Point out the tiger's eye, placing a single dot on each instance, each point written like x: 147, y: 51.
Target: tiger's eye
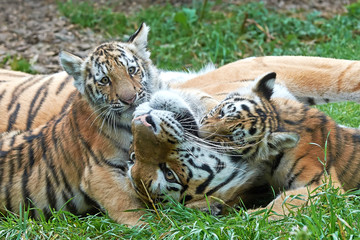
x: 131, y: 70
x: 104, y: 81
x: 169, y: 175
x: 132, y: 158
x: 221, y: 114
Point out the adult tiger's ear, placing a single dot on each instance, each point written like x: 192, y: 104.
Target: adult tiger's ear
x: 264, y: 85
x: 139, y: 39
x: 72, y: 65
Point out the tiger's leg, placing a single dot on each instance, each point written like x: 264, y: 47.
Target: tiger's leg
x: 290, y: 200
x: 113, y: 191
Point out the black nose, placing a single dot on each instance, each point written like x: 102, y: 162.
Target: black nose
x: 150, y: 121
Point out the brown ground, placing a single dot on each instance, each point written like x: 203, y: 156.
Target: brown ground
x: 35, y: 30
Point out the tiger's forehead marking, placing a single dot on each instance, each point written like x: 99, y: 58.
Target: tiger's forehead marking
x: 113, y: 54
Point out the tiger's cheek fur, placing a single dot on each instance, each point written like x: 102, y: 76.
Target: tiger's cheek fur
x: 125, y: 86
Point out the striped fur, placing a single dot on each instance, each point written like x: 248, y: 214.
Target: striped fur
x: 28, y: 101
x: 288, y: 139
x: 249, y: 144
x: 168, y: 158
x: 77, y: 161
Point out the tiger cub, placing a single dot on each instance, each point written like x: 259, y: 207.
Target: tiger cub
x: 28, y: 101
x: 287, y: 139
x: 77, y: 161
x: 169, y: 159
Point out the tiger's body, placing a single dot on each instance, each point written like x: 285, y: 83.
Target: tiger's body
x: 168, y: 158
x: 296, y: 145
x: 249, y: 136
x: 77, y: 161
x: 35, y: 104
x: 28, y: 101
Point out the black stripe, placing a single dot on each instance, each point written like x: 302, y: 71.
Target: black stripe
x: 316, y: 178
x: 8, y: 197
x: 2, y: 155
x: 13, y: 117
x: 28, y: 203
x: 20, y: 88
x: 88, y: 200
x: 276, y: 162
x: 58, y: 140
x: 69, y: 203
x: 63, y: 83
x: 121, y: 167
x: 231, y: 177
x: 294, y: 165
x: 81, y: 138
x: 68, y: 102
x: 66, y: 183
x: 292, y: 179
x: 48, y: 160
x: 19, y: 157
x: 355, y: 139
x: 202, y: 186
x: 34, y: 109
x: 50, y: 193
x: 47, y: 213
x: 2, y: 94
x: 31, y: 155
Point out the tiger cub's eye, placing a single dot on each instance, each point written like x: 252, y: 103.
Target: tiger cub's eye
x: 221, y: 114
x: 132, y: 70
x: 104, y: 81
x: 132, y: 158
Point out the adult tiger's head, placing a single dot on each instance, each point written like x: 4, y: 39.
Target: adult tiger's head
x: 247, y: 120
x: 168, y: 158
x: 116, y: 74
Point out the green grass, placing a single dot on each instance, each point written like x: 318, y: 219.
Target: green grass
x: 189, y: 37
x: 18, y: 64
x: 330, y: 215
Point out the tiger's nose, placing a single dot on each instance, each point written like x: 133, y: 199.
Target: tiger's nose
x: 130, y: 100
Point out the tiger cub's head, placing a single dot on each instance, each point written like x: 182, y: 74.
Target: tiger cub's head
x: 168, y: 158
x: 247, y: 121
x: 117, y: 75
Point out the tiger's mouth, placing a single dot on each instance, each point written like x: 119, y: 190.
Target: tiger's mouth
x: 185, y: 122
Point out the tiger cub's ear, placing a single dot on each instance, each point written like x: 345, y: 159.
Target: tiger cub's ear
x: 139, y: 39
x: 72, y: 65
x: 279, y: 141
x: 264, y: 85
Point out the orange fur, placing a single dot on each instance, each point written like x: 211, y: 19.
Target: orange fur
x: 294, y: 167
x: 307, y: 78
x: 76, y: 161
x: 271, y: 143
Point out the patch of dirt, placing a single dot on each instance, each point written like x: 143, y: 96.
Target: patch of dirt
x: 36, y: 31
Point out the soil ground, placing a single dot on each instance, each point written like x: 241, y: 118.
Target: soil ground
x: 36, y: 31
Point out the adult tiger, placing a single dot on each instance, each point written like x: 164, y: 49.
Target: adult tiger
x: 77, y: 161
x: 28, y: 101
x: 264, y: 141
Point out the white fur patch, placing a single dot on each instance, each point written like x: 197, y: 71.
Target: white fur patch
x: 181, y: 76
